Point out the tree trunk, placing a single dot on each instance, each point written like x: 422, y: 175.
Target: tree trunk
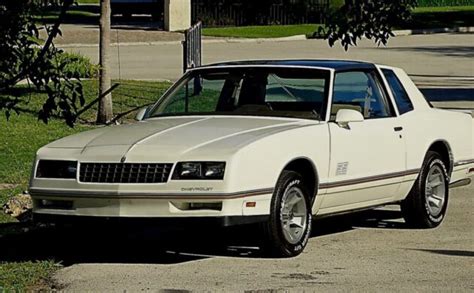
x: 105, y: 112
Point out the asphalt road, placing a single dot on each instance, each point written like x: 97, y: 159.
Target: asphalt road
x: 372, y: 251
x: 439, y: 54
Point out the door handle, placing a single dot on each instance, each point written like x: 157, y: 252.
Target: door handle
x: 398, y: 128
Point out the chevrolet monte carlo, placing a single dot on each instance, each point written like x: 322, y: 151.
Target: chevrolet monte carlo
x: 271, y: 142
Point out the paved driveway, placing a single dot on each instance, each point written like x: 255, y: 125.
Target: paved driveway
x: 371, y: 252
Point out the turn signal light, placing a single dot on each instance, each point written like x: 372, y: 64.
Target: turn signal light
x: 250, y: 204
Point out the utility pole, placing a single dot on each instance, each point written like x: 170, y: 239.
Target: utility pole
x: 105, y: 112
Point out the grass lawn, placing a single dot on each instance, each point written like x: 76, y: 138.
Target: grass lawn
x: 267, y: 31
x: 440, y: 17
x: 423, y: 18
x: 23, y: 135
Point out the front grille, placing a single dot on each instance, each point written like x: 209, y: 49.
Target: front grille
x: 124, y: 173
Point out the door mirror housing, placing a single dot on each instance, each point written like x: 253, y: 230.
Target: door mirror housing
x: 346, y: 116
x: 141, y: 114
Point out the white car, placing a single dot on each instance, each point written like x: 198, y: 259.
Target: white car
x: 276, y: 142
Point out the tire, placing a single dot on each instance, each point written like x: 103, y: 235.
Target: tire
x: 290, y: 204
x: 427, y: 202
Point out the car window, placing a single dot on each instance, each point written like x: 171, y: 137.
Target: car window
x: 281, y: 89
x: 402, y: 99
x: 360, y: 91
x: 203, y: 96
x: 300, y: 93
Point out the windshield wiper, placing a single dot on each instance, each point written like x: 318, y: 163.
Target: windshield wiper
x: 280, y: 83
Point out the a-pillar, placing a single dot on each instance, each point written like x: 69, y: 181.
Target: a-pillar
x: 177, y: 15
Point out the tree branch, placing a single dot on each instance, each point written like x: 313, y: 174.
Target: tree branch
x: 54, y: 32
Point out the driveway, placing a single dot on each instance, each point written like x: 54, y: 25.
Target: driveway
x: 373, y: 251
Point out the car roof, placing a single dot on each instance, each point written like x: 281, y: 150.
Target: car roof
x: 337, y: 65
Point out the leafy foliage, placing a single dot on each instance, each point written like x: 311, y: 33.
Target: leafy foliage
x: 78, y: 66
x: 373, y: 19
x: 44, y: 69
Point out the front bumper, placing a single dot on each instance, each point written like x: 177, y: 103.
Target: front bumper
x: 181, y: 222
x: 226, y: 208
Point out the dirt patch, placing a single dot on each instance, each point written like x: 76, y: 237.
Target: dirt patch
x: 5, y: 186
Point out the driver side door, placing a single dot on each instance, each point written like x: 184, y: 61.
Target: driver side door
x: 367, y: 159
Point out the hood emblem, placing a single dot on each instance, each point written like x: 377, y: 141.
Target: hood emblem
x: 122, y: 160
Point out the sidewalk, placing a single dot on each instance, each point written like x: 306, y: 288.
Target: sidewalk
x: 88, y: 35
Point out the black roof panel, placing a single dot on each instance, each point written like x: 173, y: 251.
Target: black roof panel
x: 338, y: 65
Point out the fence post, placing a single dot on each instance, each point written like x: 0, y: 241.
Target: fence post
x: 192, y: 47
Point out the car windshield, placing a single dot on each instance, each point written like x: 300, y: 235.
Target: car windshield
x: 266, y: 91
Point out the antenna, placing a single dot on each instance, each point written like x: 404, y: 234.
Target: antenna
x: 118, y: 54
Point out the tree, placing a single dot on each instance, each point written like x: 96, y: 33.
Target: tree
x: 373, y: 19
x: 105, y: 112
x: 23, y: 58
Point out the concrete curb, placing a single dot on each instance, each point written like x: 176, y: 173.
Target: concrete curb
x: 284, y: 39
x: 463, y: 29
x: 205, y: 41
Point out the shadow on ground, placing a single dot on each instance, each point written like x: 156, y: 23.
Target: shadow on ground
x: 451, y: 51
x: 140, y: 244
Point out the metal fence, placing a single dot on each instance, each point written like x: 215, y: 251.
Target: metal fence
x: 192, y: 47
x: 259, y: 12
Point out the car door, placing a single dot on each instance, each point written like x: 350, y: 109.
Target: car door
x: 367, y: 160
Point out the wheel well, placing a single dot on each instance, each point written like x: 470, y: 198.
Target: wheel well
x: 306, y: 169
x: 443, y: 149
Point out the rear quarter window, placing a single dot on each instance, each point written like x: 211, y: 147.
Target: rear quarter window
x: 402, y: 99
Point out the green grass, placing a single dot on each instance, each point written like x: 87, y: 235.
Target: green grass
x: 88, y: 1
x: 440, y: 17
x: 429, y: 3
x: 443, y: 9
x: 25, y: 275
x: 23, y: 135
x: 267, y: 31
x: 423, y: 18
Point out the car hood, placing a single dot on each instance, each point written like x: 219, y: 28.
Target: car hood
x: 177, y: 135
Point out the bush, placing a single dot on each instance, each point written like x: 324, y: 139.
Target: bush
x: 430, y: 3
x: 78, y: 66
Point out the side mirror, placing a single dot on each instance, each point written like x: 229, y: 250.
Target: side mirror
x: 141, y: 113
x: 345, y: 116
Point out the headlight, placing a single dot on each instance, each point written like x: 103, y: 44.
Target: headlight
x: 199, y: 171
x: 56, y: 169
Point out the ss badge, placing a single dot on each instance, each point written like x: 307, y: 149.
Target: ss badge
x: 342, y: 168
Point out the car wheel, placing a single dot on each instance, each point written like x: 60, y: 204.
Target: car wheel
x: 427, y: 202
x: 289, y: 227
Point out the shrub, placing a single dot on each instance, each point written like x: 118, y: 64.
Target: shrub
x: 78, y: 66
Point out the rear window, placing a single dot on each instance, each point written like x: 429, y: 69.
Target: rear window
x: 399, y: 93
